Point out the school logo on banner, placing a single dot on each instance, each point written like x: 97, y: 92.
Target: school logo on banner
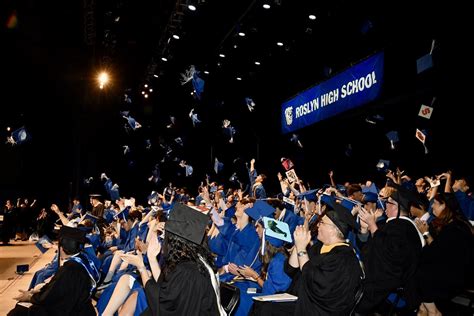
x: 289, y: 115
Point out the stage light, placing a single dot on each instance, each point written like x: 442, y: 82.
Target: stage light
x: 266, y: 6
x: 192, y: 7
x: 280, y: 44
x: 164, y: 59
x: 241, y: 34
x: 175, y: 36
x: 312, y: 17
x: 257, y: 63
x: 103, y: 79
x: 222, y: 55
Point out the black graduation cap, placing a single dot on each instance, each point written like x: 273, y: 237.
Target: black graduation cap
x: 187, y: 223
x: 95, y: 196
x: 76, y: 234
x: 342, y: 218
x: 91, y: 217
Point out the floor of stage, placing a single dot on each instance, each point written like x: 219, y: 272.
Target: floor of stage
x: 18, y: 252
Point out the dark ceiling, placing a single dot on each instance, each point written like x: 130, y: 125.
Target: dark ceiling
x: 53, y: 52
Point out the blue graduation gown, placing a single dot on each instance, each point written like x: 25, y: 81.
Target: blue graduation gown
x: 277, y: 281
x: 242, y: 250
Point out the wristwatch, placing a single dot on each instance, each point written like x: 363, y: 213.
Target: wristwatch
x: 302, y: 253
x: 426, y: 235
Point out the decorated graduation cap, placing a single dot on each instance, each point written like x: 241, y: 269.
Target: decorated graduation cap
x: 295, y: 139
x: 275, y: 232
x: 259, y: 210
x: 342, y: 218
x: 187, y: 223
x: 287, y: 163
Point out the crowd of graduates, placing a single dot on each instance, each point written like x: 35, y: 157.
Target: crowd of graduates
x: 356, y: 248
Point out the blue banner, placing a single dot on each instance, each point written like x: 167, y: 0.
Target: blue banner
x: 352, y: 88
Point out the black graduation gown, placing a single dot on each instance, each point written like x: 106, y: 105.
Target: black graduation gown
x: 446, y: 264
x: 66, y: 294
x: 185, y: 291
x: 390, y: 259
x: 327, y: 285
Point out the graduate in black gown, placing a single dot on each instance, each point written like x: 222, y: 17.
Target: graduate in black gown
x: 328, y: 275
x: 188, y: 284
x: 391, y: 255
x: 69, y: 291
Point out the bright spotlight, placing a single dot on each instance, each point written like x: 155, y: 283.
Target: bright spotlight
x: 103, y: 79
x: 192, y: 7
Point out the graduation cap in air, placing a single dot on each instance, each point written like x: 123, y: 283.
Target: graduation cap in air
x: 132, y: 123
x: 218, y: 166
x: 194, y: 118
x: 234, y: 177
x: 187, y: 223
x: 425, y: 62
x: 259, y: 210
x: 155, y: 174
x: 126, y: 149
x: 287, y: 163
x: 393, y: 138
x: 342, y: 218
x: 172, y: 122
x: 112, y: 190
x: 127, y: 98
x: 179, y: 141
x: 250, y: 104
x: 147, y: 144
x: 421, y: 136
x: 187, y: 168
x: 370, y: 188
x: 374, y: 119
x: 187, y: 75
x: 88, y: 181
x: 198, y: 85
x: 229, y: 130
x: 18, y: 136
x: 383, y: 165
x: 295, y: 140
x: 275, y: 232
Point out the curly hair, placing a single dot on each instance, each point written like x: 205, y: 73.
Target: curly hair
x: 178, y: 250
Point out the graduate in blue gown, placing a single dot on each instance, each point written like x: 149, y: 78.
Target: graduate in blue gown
x: 272, y: 279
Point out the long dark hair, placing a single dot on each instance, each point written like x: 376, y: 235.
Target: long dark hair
x: 270, y: 252
x: 450, y: 213
x: 178, y: 250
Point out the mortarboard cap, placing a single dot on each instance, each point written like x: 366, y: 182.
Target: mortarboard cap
x: 342, y: 218
x: 278, y: 231
x: 287, y: 163
x: 328, y: 199
x: 348, y: 203
x: 22, y: 268
x: 218, y: 166
x: 383, y: 165
x: 310, y: 195
x: 95, y: 196
x: 230, y: 212
x: 187, y: 223
x: 123, y: 215
x: 76, y: 234
x: 91, y: 217
x: 424, y: 63
x: 259, y: 209
x: 153, y: 198
x: 393, y: 138
x: 43, y: 244
x: 370, y: 197
x: 19, y: 136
